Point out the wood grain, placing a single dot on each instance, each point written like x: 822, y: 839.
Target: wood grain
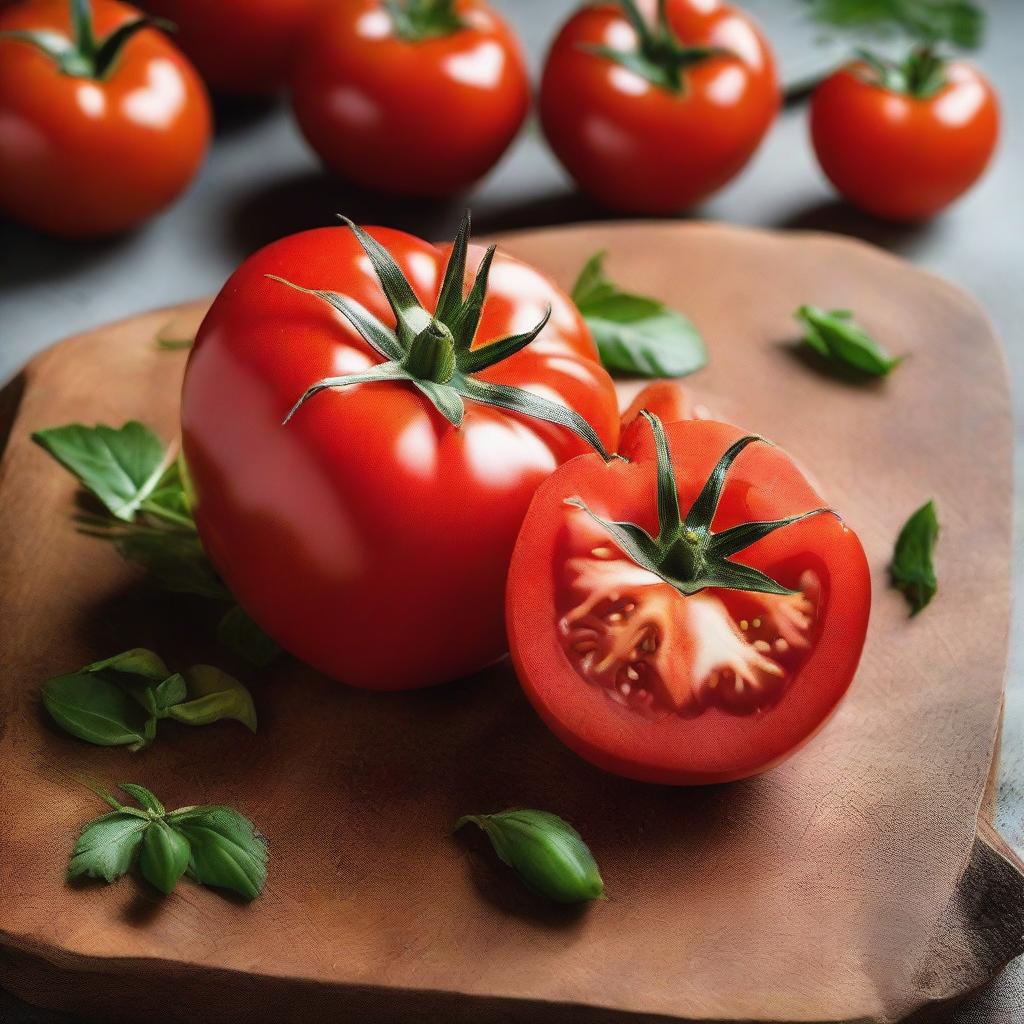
x: 853, y: 883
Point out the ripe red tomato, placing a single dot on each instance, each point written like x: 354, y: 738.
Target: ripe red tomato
x: 90, y: 150
x: 899, y: 155
x: 240, y: 46
x: 423, y: 110
x: 673, y: 118
x: 369, y: 536
x: 692, y: 681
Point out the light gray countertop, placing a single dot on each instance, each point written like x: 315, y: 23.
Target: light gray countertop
x: 262, y: 182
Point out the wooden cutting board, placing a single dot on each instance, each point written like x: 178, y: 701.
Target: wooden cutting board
x: 856, y: 882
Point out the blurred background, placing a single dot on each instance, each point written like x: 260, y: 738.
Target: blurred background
x: 262, y: 181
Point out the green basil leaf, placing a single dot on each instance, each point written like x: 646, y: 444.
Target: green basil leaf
x: 120, y: 467
x: 546, y: 852
x: 227, y: 852
x: 175, y: 561
x: 94, y: 709
x: 912, y: 569
x: 145, y: 797
x: 137, y: 662
x: 215, y: 695
x: 929, y: 21
x: 837, y: 339
x: 107, y: 846
x: 171, y: 691
x: 636, y: 334
x: 164, y: 856
x: 240, y: 635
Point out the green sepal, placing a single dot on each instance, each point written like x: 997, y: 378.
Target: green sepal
x: 417, y: 20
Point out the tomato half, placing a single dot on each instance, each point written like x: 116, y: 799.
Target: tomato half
x: 902, y: 156
x: 370, y: 536
x: 240, y: 46
x: 414, y: 115
x: 675, y: 117
x: 710, y: 685
x: 85, y: 154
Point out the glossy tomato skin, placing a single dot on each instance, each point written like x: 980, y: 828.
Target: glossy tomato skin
x: 369, y: 536
x: 240, y: 46
x: 714, y: 745
x: 425, y: 118
x: 639, y: 148
x: 898, y: 156
x: 82, y: 158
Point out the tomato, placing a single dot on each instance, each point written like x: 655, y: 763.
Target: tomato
x: 370, y: 536
x: 686, y: 672
x: 675, y: 117
x: 899, y: 153
x: 240, y: 46
x: 420, y: 111
x: 89, y: 150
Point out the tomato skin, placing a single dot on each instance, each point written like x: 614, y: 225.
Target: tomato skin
x: 426, y: 118
x: 369, y: 536
x: 901, y: 157
x: 638, y: 148
x: 246, y: 47
x: 714, y: 746
x: 82, y: 158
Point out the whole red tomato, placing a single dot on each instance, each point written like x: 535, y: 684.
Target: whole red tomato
x: 416, y: 98
x: 93, y: 140
x: 650, y: 116
x: 371, y: 535
x: 240, y: 46
x: 903, y: 142
x: 692, y: 615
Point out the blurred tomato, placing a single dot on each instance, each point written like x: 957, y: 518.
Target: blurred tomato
x: 93, y: 143
x: 419, y: 105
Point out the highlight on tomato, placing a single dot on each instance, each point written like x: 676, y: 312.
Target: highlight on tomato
x: 653, y: 108
x: 371, y: 534
x: 103, y: 122
x: 411, y: 97
x: 691, y: 615
x: 245, y: 47
x: 904, y: 140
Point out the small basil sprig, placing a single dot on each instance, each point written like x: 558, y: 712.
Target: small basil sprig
x: 144, y: 492
x: 546, y: 852
x: 635, y: 334
x: 912, y: 569
x: 119, y: 701
x: 837, y: 339
x: 215, y: 845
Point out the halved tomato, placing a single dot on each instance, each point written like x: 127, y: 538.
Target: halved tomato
x: 691, y: 615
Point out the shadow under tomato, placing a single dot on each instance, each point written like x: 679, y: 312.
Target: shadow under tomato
x: 233, y: 115
x: 841, y: 217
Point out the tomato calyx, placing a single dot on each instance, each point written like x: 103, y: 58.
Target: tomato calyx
x: 83, y: 55
x: 660, y: 56
x: 432, y: 351
x: 416, y: 20
x: 921, y: 74
x: 687, y: 554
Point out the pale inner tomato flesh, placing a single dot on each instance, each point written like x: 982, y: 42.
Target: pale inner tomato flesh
x: 658, y: 652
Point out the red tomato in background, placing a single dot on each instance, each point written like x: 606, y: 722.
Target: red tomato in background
x: 369, y: 536
x: 414, y: 118
x: 639, y: 147
x: 647, y: 683
x: 240, y: 46
x: 84, y: 157
x: 900, y: 156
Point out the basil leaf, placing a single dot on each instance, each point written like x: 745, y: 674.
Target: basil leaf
x: 227, y: 852
x: 145, y: 797
x: 175, y: 561
x: 216, y: 695
x: 94, y: 709
x: 171, y: 691
x: 930, y: 21
x: 546, y: 852
x: 240, y: 635
x: 107, y: 846
x: 164, y: 856
x: 912, y: 570
x: 120, y: 467
x: 836, y: 338
x: 635, y: 334
x: 137, y: 662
